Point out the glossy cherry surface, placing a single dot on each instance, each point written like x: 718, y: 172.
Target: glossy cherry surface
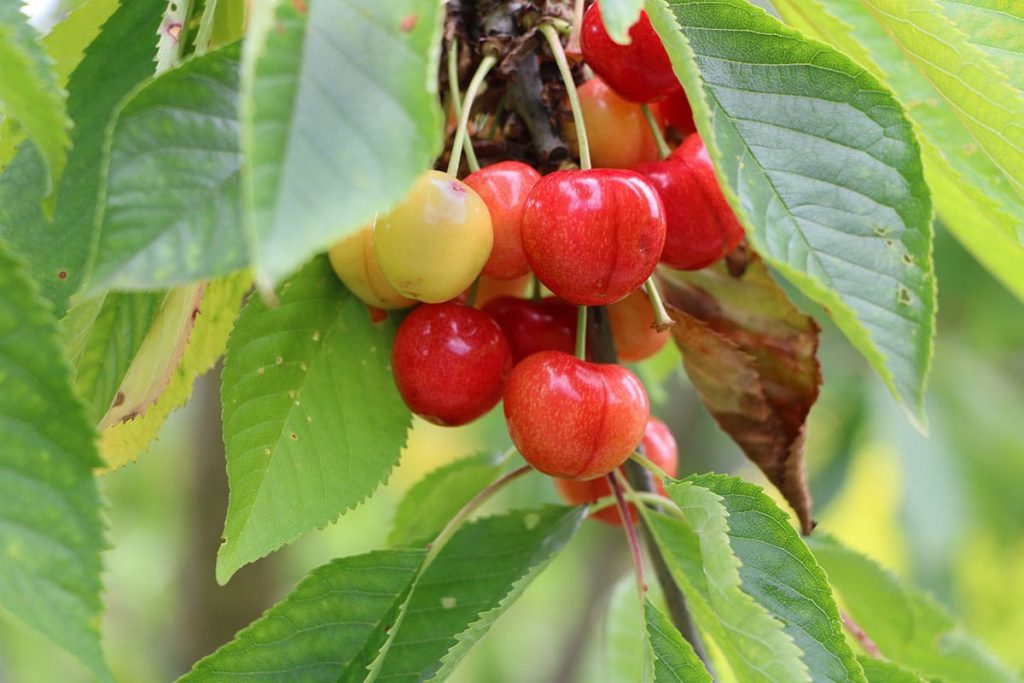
x: 574, y: 419
x: 675, y: 111
x: 434, y: 243
x: 616, y: 128
x: 659, y: 446
x: 594, y: 236
x: 701, y: 225
x: 533, y: 326
x: 632, y: 321
x: 640, y: 71
x: 355, y: 263
x: 504, y: 187
x: 450, y: 363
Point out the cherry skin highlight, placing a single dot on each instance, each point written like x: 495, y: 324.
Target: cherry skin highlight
x: 434, y: 243
x: 702, y: 228
x: 450, y: 362
x: 594, y: 236
x: 574, y: 419
x: 533, y: 326
x: 659, y: 447
x: 640, y: 71
x: 632, y: 321
x: 504, y: 187
x: 616, y: 128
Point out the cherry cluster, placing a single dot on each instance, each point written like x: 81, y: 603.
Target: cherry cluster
x: 463, y: 252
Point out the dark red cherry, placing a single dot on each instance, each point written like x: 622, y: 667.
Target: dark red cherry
x: 450, y: 362
x: 504, y: 187
x: 640, y: 71
x: 594, y: 236
x: 532, y: 326
x: 675, y: 110
x: 701, y: 225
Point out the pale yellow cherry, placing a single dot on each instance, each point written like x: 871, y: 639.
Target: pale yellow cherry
x: 434, y: 243
x: 355, y: 262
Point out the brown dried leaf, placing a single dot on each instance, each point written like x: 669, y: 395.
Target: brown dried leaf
x: 751, y: 355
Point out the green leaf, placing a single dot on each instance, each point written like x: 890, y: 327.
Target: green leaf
x: 313, y: 422
x: 322, y: 627
x: 622, y: 647
x: 223, y: 22
x: 881, y: 671
x: 51, y: 534
x: 996, y: 27
x: 172, y: 211
x: 57, y: 251
x: 433, y: 500
x: 618, y: 16
x: 123, y: 442
x: 29, y: 93
x: 482, y: 570
x: 337, y: 122
x: 972, y: 194
x: 822, y: 167
x: 906, y: 624
x: 674, y: 658
x: 102, y: 337
x: 707, y: 570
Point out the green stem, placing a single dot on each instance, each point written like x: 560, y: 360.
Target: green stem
x: 551, y: 34
x: 473, y: 289
x: 581, y: 332
x: 456, y: 97
x: 662, y: 321
x: 646, y: 463
x: 467, y: 105
x: 535, y: 294
x: 659, y: 138
x: 644, y: 497
x: 577, y: 27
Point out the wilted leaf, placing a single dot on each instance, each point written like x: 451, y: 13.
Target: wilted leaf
x: 751, y: 356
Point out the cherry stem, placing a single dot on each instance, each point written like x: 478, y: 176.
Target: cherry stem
x: 662, y: 321
x: 577, y: 27
x: 581, y: 332
x: 655, y: 500
x: 467, y: 105
x: 659, y: 138
x: 551, y: 34
x: 456, y: 97
x: 535, y: 293
x: 616, y: 480
x: 473, y: 289
x: 646, y: 463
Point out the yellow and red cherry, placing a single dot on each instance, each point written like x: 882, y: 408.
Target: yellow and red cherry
x: 659, y: 447
x: 355, y: 263
x: 675, y: 111
x: 450, y: 362
x: 534, y: 326
x: 617, y: 131
x: 490, y: 288
x: 504, y: 187
x: 571, y: 418
x: 640, y: 71
x: 702, y: 227
x: 593, y: 236
x: 435, y: 241
x: 632, y: 323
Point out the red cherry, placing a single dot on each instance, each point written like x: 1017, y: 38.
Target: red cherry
x: 632, y: 321
x: 504, y: 187
x: 491, y: 288
x: 640, y: 71
x: 532, y: 326
x: 574, y: 419
x: 592, y: 237
x: 701, y: 225
x: 659, y: 446
x: 675, y: 110
x: 450, y: 362
x: 617, y: 131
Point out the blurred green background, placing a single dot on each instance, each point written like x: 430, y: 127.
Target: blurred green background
x: 945, y: 511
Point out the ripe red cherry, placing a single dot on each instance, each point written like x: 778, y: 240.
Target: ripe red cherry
x: 632, y: 321
x: 701, y: 225
x: 592, y: 237
x: 532, y: 326
x: 574, y: 419
x: 450, y: 363
x: 504, y: 187
x: 617, y: 131
x: 659, y: 446
x: 675, y: 110
x: 640, y: 71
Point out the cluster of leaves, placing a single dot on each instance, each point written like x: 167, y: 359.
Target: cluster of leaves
x: 145, y: 185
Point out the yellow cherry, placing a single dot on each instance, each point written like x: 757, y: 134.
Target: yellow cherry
x: 355, y: 262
